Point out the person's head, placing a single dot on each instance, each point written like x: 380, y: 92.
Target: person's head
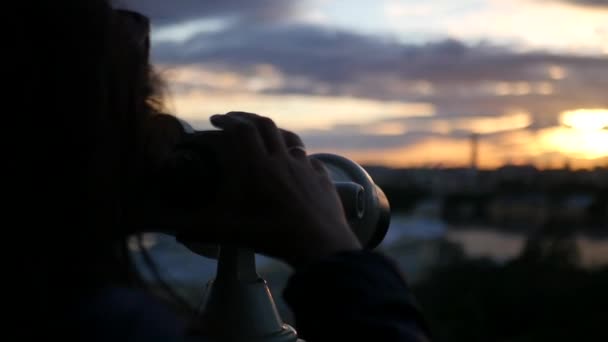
x: 84, y: 89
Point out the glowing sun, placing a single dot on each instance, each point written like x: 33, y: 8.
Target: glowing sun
x: 583, y: 134
x: 586, y: 119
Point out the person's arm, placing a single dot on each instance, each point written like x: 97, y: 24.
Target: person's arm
x: 354, y: 296
x: 283, y: 204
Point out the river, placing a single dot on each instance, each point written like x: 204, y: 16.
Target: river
x: 412, y: 240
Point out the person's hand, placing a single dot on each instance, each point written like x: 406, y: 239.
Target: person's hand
x: 280, y: 202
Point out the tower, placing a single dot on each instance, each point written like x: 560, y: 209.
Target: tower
x: 474, y: 151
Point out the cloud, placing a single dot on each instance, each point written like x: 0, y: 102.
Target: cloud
x: 340, y: 56
x: 379, y: 100
x: 597, y: 3
x: 456, y: 78
x: 296, y: 112
x: 166, y: 12
x: 337, y: 56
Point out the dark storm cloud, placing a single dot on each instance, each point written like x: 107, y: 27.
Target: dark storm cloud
x: 294, y: 49
x: 337, y: 56
x: 340, y: 56
x: 164, y: 12
x: 598, y: 3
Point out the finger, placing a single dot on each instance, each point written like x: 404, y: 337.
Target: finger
x: 295, y: 146
x: 291, y: 139
x: 243, y: 134
x: 298, y: 152
x: 270, y: 133
x: 318, y: 166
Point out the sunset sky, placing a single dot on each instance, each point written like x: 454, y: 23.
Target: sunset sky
x: 398, y: 83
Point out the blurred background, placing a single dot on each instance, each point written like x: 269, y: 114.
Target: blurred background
x: 485, y: 122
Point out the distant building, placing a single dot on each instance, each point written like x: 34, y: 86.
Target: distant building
x: 528, y: 210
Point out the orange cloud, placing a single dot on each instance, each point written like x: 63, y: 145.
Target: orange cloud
x: 296, y: 112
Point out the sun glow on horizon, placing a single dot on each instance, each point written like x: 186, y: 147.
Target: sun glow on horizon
x: 585, y: 119
x: 584, y: 134
x: 576, y: 143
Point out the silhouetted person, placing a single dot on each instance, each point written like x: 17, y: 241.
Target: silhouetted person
x: 87, y: 132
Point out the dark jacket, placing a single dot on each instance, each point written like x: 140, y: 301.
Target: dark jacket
x: 354, y: 296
